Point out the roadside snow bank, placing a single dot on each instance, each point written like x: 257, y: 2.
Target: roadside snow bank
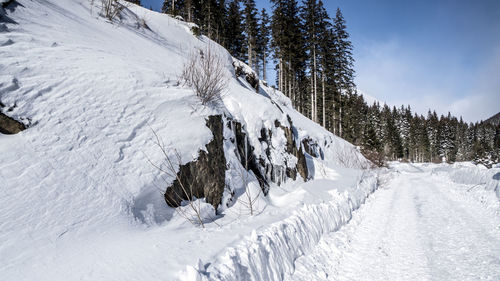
x: 476, y: 179
x: 270, y: 254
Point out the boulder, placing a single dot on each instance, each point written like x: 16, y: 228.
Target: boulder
x: 10, y: 126
x: 205, y: 176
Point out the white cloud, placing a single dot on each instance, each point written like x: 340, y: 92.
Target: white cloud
x: 397, y: 74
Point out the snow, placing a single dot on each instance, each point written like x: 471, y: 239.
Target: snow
x: 79, y: 198
x: 481, y: 179
x: 419, y: 226
x: 270, y: 254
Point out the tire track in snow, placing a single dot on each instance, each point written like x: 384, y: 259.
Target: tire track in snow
x: 416, y: 229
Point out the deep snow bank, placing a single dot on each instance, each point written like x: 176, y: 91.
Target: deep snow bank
x: 270, y: 254
x: 468, y: 173
x: 475, y: 181
x: 470, y: 180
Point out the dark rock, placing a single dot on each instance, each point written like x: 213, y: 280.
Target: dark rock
x: 302, y: 165
x: 248, y: 159
x: 291, y: 148
x: 312, y: 148
x: 10, y: 126
x: 204, y: 177
x: 8, y: 6
x: 251, y: 78
x: 261, y: 166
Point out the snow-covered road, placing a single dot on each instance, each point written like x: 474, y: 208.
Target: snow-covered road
x: 417, y: 227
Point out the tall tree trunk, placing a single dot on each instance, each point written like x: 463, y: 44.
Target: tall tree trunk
x: 323, y: 97
x: 280, y: 82
x: 285, y: 81
x: 188, y: 8
x: 334, y: 123
x: 250, y: 52
x: 340, y: 114
x: 264, y: 67
x: 290, y: 90
x: 312, y: 97
x: 315, y: 85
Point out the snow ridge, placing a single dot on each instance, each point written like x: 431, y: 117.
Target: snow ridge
x: 271, y: 253
x: 477, y: 181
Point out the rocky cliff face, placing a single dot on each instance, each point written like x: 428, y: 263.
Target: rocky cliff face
x: 204, y: 177
x: 270, y: 151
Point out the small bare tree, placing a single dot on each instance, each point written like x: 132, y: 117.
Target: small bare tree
x: 110, y: 8
x: 249, y: 201
x: 204, y: 72
x: 194, y: 212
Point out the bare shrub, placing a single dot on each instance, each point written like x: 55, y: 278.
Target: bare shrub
x: 109, y: 8
x: 204, y: 73
x: 249, y: 200
x: 375, y: 156
x: 193, y: 213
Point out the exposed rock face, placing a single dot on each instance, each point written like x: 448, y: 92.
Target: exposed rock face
x: 10, y: 126
x: 262, y: 166
x: 312, y: 148
x: 291, y: 148
x: 204, y: 177
x: 250, y: 77
x: 245, y: 151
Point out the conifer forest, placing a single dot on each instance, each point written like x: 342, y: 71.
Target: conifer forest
x: 313, y: 58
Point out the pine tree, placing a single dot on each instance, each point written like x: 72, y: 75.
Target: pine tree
x: 251, y: 30
x: 344, y: 62
x: 497, y: 143
x: 263, y: 43
x: 288, y: 44
x: 462, y: 141
x: 207, y: 17
x: 172, y: 7
x: 434, y: 135
x: 315, y: 28
x: 235, y: 37
x: 221, y: 18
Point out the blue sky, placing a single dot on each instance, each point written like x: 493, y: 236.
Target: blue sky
x: 441, y: 54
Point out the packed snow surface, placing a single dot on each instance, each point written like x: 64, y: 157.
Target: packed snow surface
x: 418, y: 226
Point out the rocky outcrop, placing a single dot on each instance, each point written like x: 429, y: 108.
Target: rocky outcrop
x: 246, y: 155
x: 263, y: 166
x: 10, y: 126
x: 312, y: 148
x: 291, y: 148
x: 250, y: 76
x: 205, y: 176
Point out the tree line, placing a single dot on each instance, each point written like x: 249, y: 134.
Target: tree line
x: 385, y: 133
x: 312, y: 56
x: 311, y: 51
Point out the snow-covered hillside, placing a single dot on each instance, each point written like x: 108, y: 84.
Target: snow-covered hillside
x: 79, y: 199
